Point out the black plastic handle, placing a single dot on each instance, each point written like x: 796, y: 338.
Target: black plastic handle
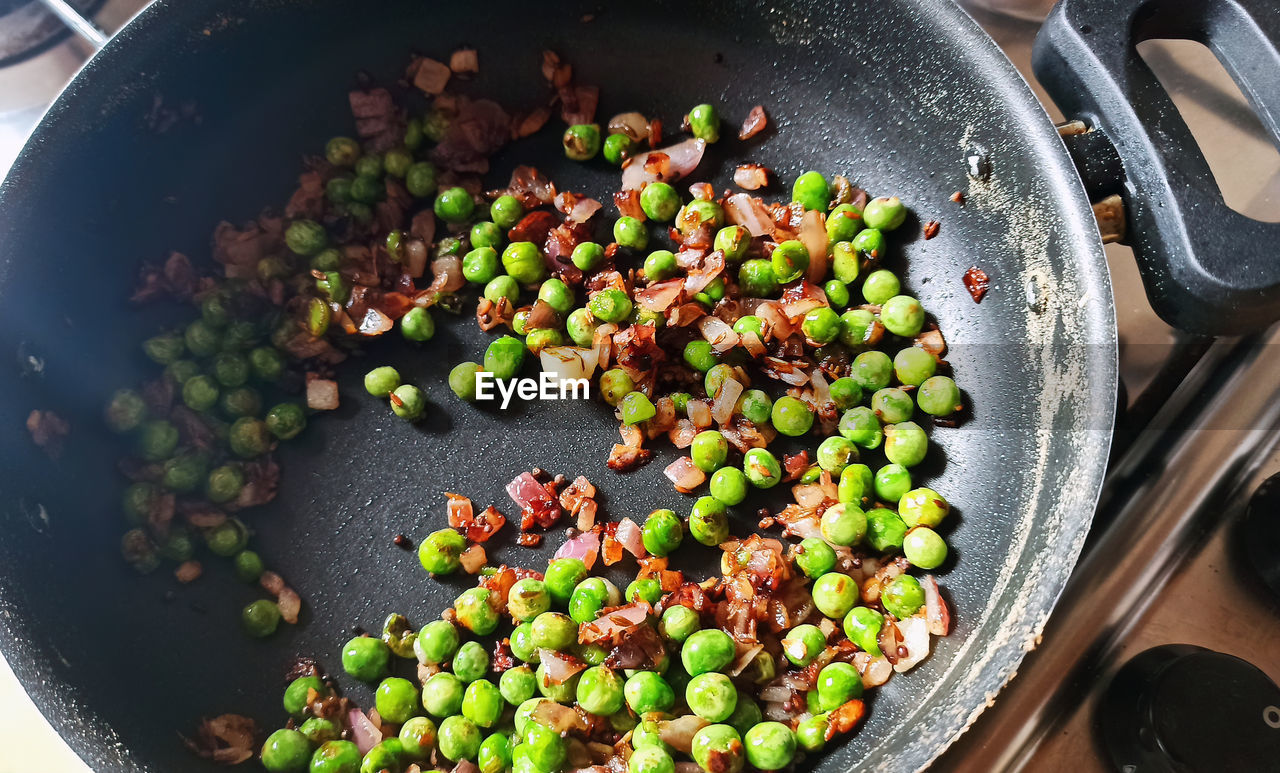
x: 1206, y: 268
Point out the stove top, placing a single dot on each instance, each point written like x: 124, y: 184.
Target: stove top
x: 1167, y: 562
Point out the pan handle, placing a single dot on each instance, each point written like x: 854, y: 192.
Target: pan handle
x: 1206, y: 268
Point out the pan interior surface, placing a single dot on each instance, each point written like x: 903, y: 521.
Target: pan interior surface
x: 199, y: 112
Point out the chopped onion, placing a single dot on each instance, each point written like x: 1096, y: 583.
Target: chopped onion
x: 363, y: 731
x: 914, y: 632
x: 629, y: 535
x: 684, y: 475
x: 559, y: 667
x: 718, y: 333
x: 755, y: 122
x: 726, y: 399
x: 813, y: 233
x: 752, y: 343
x: 682, y: 433
x: 322, y: 393
x: 375, y: 323
x: 634, y: 125
x: 568, y: 362
x: 660, y: 296
x: 875, y: 671
x: 585, y: 547
x: 699, y: 413
x: 749, y: 212
x: 751, y: 177
x: 678, y: 733
x: 682, y: 158
x: 935, y: 607
x: 603, y: 344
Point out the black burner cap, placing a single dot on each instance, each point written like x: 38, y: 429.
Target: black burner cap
x: 1184, y: 709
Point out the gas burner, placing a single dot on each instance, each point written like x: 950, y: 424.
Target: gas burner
x: 28, y: 27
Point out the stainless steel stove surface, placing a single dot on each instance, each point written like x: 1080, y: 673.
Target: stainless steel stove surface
x: 1169, y: 558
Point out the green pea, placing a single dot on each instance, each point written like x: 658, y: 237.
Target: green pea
x: 880, y: 286
x: 733, y: 241
x: 811, y: 734
x: 718, y: 748
x: 587, y: 256
x: 442, y: 694
x: 471, y: 662
x: 821, y: 325
x: 249, y: 437
x: 660, y: 265
x: 837, y: 293
x: 843, y: 523
x: 557, y: 295
x: 482, y: 703
x: 589, y: 597
x: 248, y: 566
x: 924, y: 548
x: 399, y: 637
x: 913, y: 366
x: 408, y: 402
x: 861, y: 426
x: 200, y: 393
x: 708, y: 523
x: 296, y: 694
x: 789, y: 261
x: 615, y: 384
x: 342, y: 151
x: 770, y: 745
x: 838, y: 683
x: 319, y: 730
x: 560, y: 692
x: 439, y: 552
x: 527, y: 599
x: 811, y: 190
x: 791, y: 416
x: 522, y: 644
x: 366, y: 658
x: 396, y: 699
x: 902, y: 315
x: 523, y: 262
x: 892, y: 405
x: 228, y: 539
x: 834, y: 594
x: 474, y: 612
x: 242, y: 401
x: 647, y: 590
x: 286, y: 750
x: 581, y: 326
x: 610, y: 305
x: 697, y: 212
x: 305, y: 237
x: 679, y: 623
x: 600, y: 690
x: 650, y: 759
x: 699, y: 354
x: 905, y: 443
x: 844, y: 223
x: 885, y: 214
x: 562, y: 576
x: 891, y: 482
x: 380, y: 382
x: 885, y: 529
x: 581, y: 142
x: 902, y: 597
x: 711, y: 696
x: 459, y: 738
x: 938, y: 396
x: 506, y: 211
x: 545, y: 747
x: 636, y: 408
x: 365, y: 190
x: 756, y: 278
x: 659, y: 201
x: 862, y: 626
x: 480, y: 265
x: 662, y: 532
x: 418, y: 738
x: 454, y: 205
x: 630, y: 232
x: 869, y: 241
x: 923, y: 507
x: 709, y: 450
x: 857, y: 328
x: 617, y: 148
x: 537, y: 340
x: 728, y: 485
x: 504, y: 357
x: 554, y: 631
x: 802, y: 644
x: 592, y: 654
x: 706, y: 651
x: 462, y: 380
x: 704, y: 122
x: 761, y: 468
x: 260, y: 618
x: 517, y: 685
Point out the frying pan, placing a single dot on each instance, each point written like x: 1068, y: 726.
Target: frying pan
x: 198, y: 111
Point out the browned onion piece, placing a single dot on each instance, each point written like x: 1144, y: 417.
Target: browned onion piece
x: 914, y: 633
x: 702, y: 191
x: 682, y: 433
x: 813, y: 234
x: 718, y: 333
x: 560, y: 667
x: 678, y: 733
x: 725, y: 400
x: 755, y: 122
x: 684, y: 475
x: 935, y: 607
x: 875, y: 671
x: 682, y: 158
x: 633, y: 124
x: 699, y: 413
x: 375, y: 323
x: 750, y: 177
x: 629, y: 535
x: 660, y: 296
x: 749, y: 212
x: 558, y: 716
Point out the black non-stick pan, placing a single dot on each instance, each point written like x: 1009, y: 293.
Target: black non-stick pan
x: 199, y: 111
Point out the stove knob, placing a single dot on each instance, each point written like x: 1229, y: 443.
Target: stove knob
x: 1184, y: 709
x: 1260, y: 532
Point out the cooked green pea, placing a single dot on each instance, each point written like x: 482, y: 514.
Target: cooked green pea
x: 305, y: 237
x: 869, y: 241
x: 924, y: 548
x: 396, y: 700
x: 902, y: 597
x: 815, y: 557
x: 249, y: 437
x: 708, y: 522
x: 821, y: 325
x: 418, y: 738
x: 913, y: 366
x: 789, y: 261
x: 527, y: 599
x: 581, y: 141
x: 480, y: 265
x: 679, y: 623
x: 200, y: 393
x: 835, y: 453
x: 885, y: 214
x: 837, y: 293
x: 650, y: 759
x: 560, y: 692
x: 630, y: 232
x: 474, y: 612
x: 885, y: 529
x: 459, y: 738
x: 587, y: 256
x: 522, y: 644
x: 544, y: 746
x: 660, y: 265
x: 892, y: 405
x: 659, y: 201
x: 811, y: 190
x: 770, y: 745
x: 482, y: 703
x: 537, y: 340
x: 905, y: 443
x: 711, y: 696
x: 891, y: 482
x: 857, y: 328
x: 871, y: 370
x: 838, y: 683
x: 600, y: 691
x: 880, y: 286
x: 811, y: 734
x: 342, y: 151
x: 615, y: 384
x: 248, y: 566
x: 662, y: 532
x: 791, y: 416
x: 610, y: 305
x: 756, y: 278
x: 517, y: 685
x: 617, y: 148
x: 366, y: 658
x: 554, y: 631
x: 506, y: 211
x: 380, y: 382
x: 706, y: 651
x: 861, y: 426
x: 286, y: 751
x: 704, y: 122
x: 562, y: 576
x: 718, y: 748
x: 729, y: 485
x: 843, y: 523
x: 471, y: 662
x: 844, y: 223
x: 923, y: 507
x: 938, y: 396
x: 320, y: 730
x: 761, y: 468
x: 442, y: 694
x: 462, y: 380
x: 454, y: 205
x: 504, y: 357
x: 902, y: 315
x: 523, y: 262
x: 834, y: 594
x: 295, y: 695
x: 647, y: 590
x: 733, y: 241
x: 696, y: 213
x: 862, y: 626
x: 709, y: 450
x: 802, y: 644
x: 636, y: 407
x: 228, y: 539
